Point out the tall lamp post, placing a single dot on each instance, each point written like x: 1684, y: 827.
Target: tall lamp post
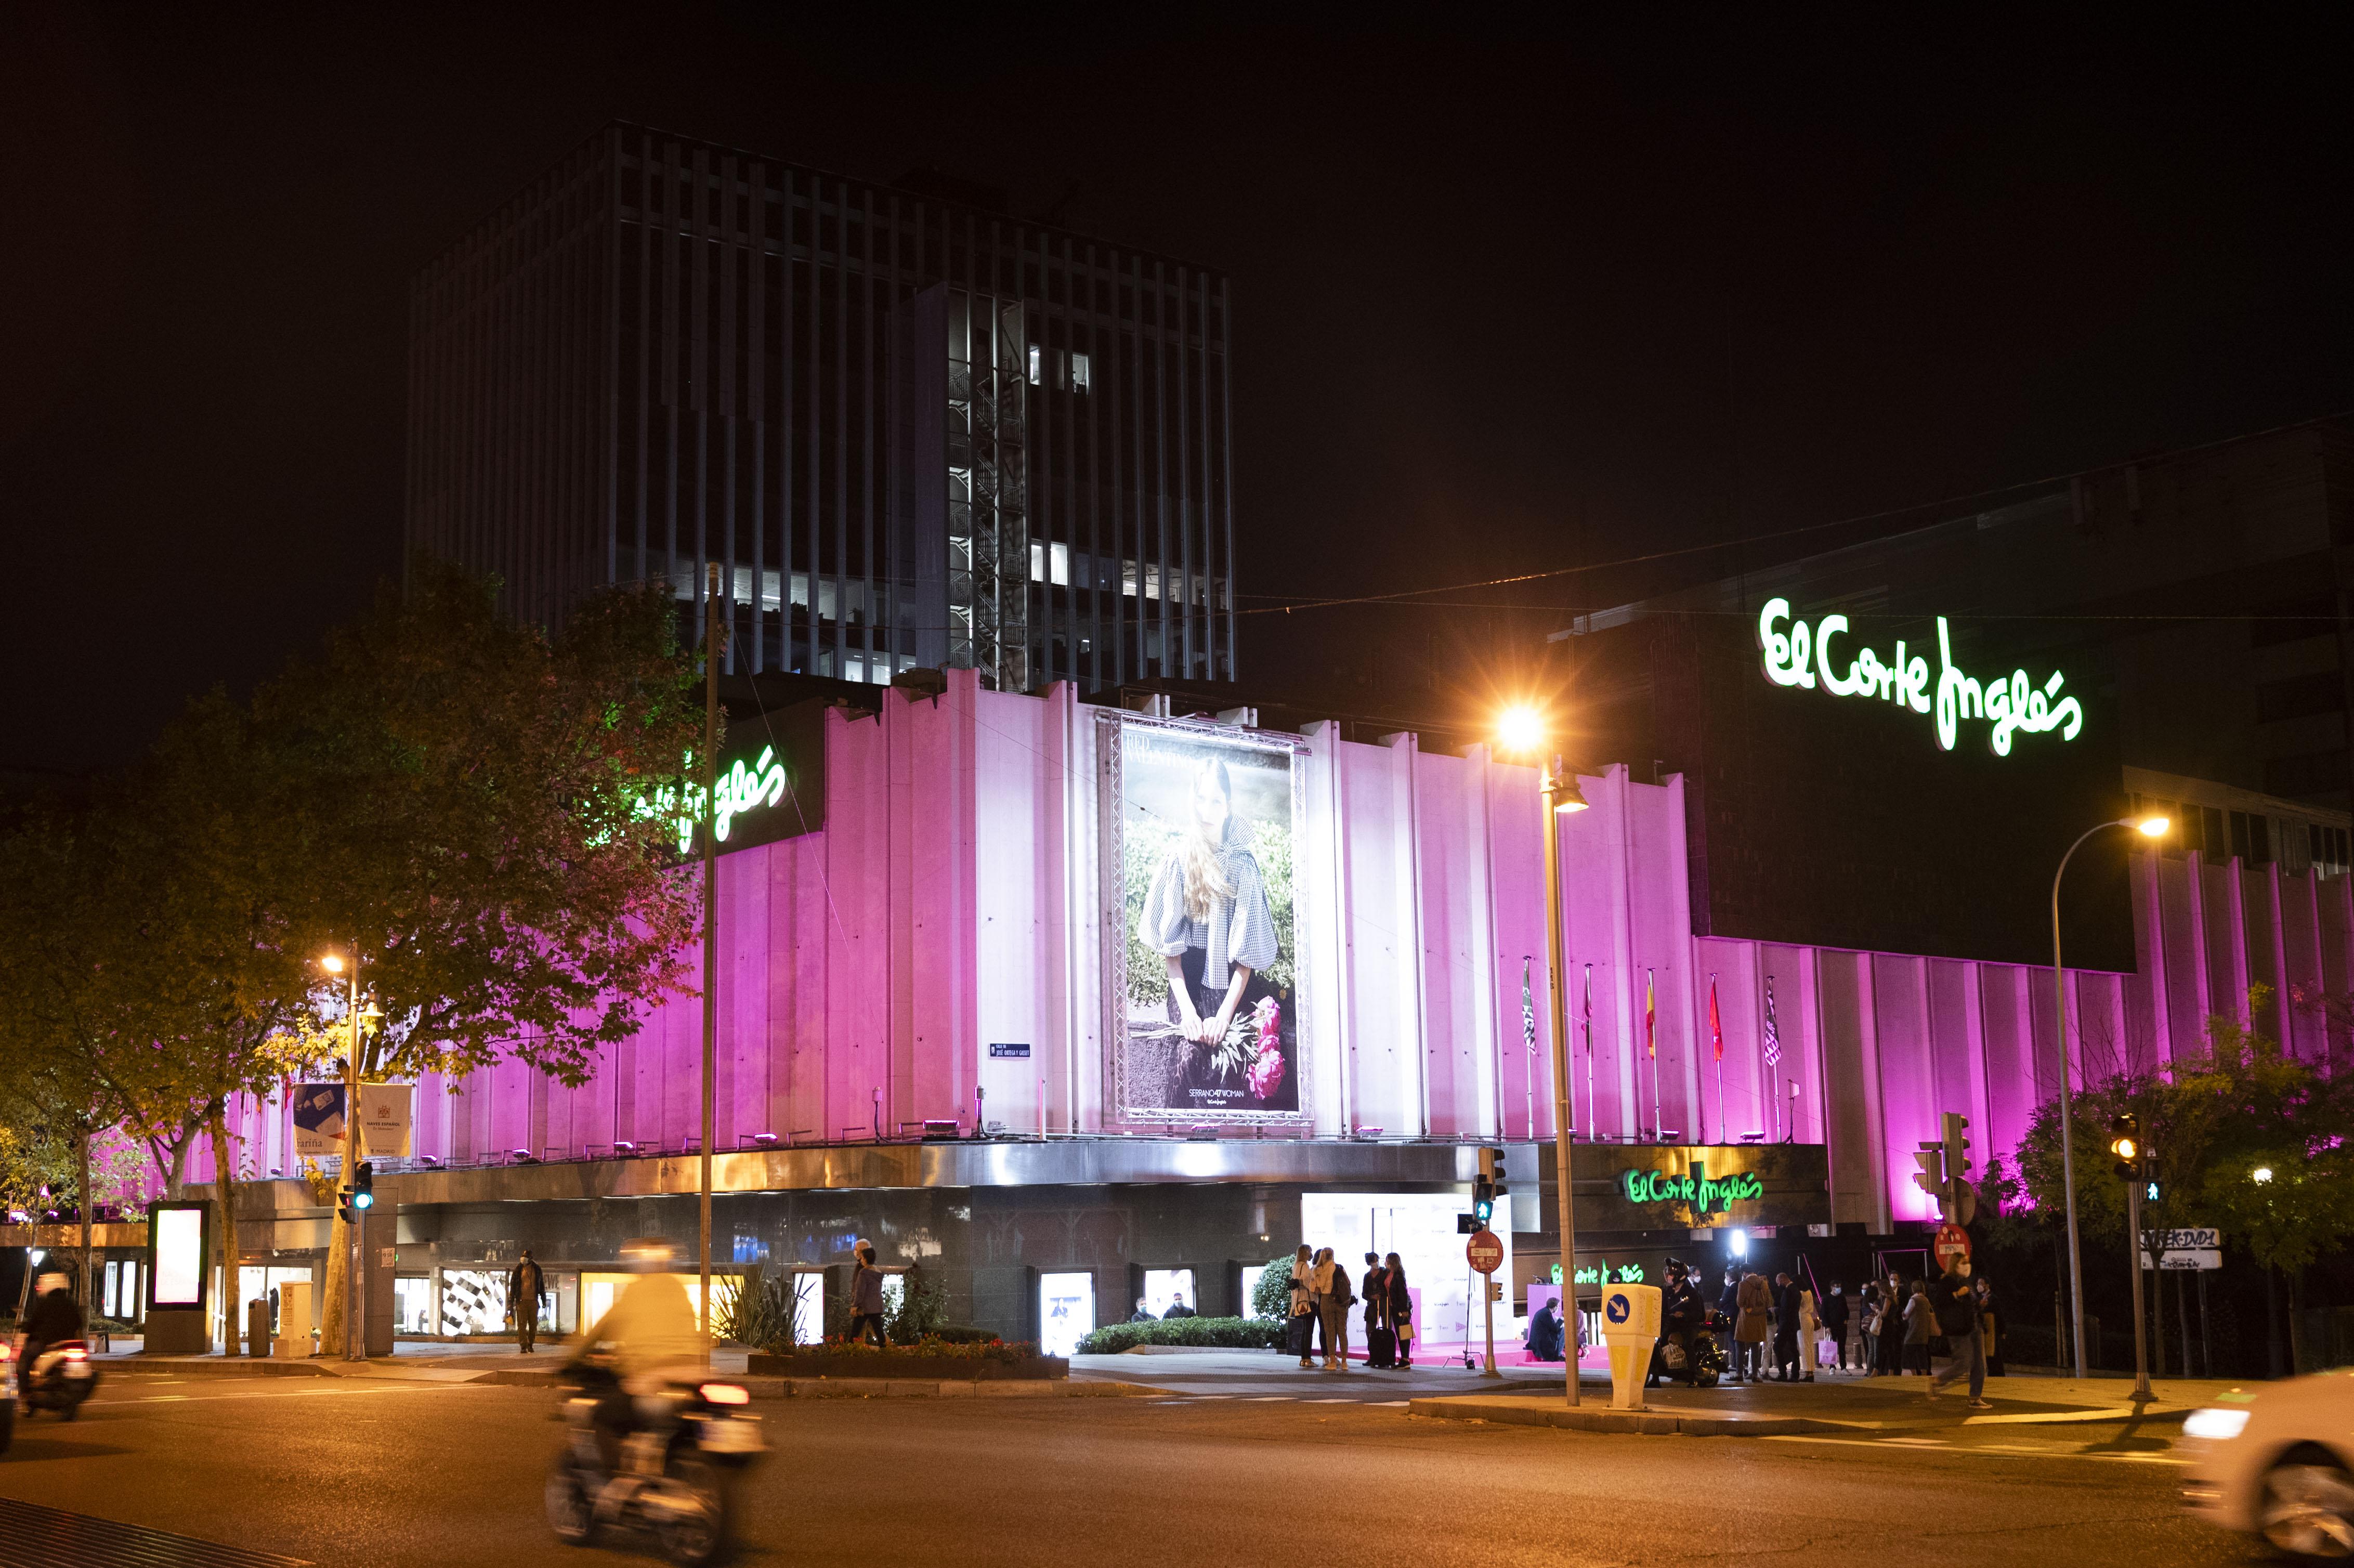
x: 354, y: 1350
x: 1524, y: 730
x: 2153, y: 827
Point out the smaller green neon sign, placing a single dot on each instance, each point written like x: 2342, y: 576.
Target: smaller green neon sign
x: 1707, y: 1194
x: 740, y: 790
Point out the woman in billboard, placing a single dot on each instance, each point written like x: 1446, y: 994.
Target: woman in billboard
x: 1206, y: 914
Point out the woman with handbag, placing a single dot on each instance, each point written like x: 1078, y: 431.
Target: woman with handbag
x: 1303, y: 1303
x: 1401, y: 1307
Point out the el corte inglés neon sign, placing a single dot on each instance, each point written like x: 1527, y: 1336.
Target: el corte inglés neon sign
x: 1802, y: 656
x: 740, y: 790
x: 1707, y: 1194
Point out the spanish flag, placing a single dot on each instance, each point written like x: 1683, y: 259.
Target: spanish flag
x: 1650, y: 1019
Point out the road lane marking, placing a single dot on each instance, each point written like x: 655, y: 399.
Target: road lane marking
x: 1916, y: 1444
x: 274, y: 1393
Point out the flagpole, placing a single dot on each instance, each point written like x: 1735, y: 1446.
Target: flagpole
x: 1716, y: 1036
x: 1652, y: 1044
x: 1593, y: 1106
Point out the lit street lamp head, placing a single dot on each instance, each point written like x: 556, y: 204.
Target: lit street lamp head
x: 2151, y: 827
x: 333, y: 963
x: 2262, y: 1173
x: 1521, y: 729
x: 1567, y: 795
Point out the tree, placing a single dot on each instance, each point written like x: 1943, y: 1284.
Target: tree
x: 469, y: 800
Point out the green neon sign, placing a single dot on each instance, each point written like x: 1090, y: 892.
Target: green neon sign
x: 1802, y: 656
x: 1707, y: 1194
x: 740, y: 790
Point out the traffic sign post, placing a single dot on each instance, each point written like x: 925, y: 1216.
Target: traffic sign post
x: 2200, y: 1249
x: 1952, y: 1242
x: 1485, y: 1252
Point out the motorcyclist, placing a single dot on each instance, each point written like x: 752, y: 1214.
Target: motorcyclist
x: 54, y: 1318
x: 645, y: 1340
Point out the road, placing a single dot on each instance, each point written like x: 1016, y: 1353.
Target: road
x: 376, y: 1472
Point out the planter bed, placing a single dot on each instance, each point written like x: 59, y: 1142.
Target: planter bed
x: 904, y: 1364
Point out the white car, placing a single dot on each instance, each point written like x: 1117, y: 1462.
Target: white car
x: 2277, y: 1461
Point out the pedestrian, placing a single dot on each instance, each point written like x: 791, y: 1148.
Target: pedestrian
x: 1400, y: 1313
x: 1870, y: 1315
x: 1731, y: 1305
x: 1179, y: 1308
x: 1835, y: 1309
x: 1810, y: 1327
x: 1989, y: 1322
x: 1896, y: 1325
x: 867, y: 1299
x: 1785, y: 1328
x: 1337, y: 1302
x: 1320, y: 1285
x: 1957, y: 1305
x: 1380, y: 1341
x: 1544, y: 1332
x: 1751, y: 1329
x: 1144, y: 1313
x: 1920, y: 1322
x: 1303, y: 1301
x: 523, y: 1283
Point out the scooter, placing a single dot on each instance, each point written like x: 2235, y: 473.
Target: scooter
x: 60, y: 1380
x: 1699, y: 1360
x: 678, y: 1465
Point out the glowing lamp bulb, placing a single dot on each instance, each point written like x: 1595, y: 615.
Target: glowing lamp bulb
x: 333, y: 963
x: 2263, y: 1173
x: 2153, y: 827
x: 1521, y: 729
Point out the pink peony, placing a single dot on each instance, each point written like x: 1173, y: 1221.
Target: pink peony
x: 1266, y: 1074
x: 1267, y: 1017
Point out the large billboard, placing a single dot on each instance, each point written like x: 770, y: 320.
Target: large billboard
x: 1201, y: 953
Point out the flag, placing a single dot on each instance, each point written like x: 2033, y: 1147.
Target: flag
x: 1772, y: 1035
x: 1528, y: 1012
x: 1650, y: 1019
x: 1715, y: 1024
x: 1589, y: 1009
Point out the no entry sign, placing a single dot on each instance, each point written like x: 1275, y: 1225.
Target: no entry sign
x: 1486, y: 1253
x: 1952, y: 1242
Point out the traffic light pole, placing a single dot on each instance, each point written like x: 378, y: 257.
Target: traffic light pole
x: 353, y: 1328
x: 2133, y: 1255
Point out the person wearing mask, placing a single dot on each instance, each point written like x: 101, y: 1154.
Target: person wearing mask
x: 1920, y: 1322
x: 1875, y: 1305
x: 1303, y: 1302
x: 1896, y: 1325
x: 1179, y: 1308
x: 55, y: 1317
x: 1399, y: 1312
x: 1338, y: 1300
x: 1810, y: 1329
x: 1751, y: 1330
x: 1956, y: 1307
x: 1679, y: 1320
x: 1786, y: 1312
x: 867, y: 1299
x: 1380, y: 1343
x: 1835, y: 1309
x: 1144, y: 1313
x: 647, y: 1339
x: 524, y: 1285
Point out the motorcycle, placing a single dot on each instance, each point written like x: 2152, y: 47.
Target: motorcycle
x: 678, y: 1465
x: 1698, y: 1358
x: 59, y: 1380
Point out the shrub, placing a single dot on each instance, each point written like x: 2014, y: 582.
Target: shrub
x: 991, y: 1349
x: 758, y: 1314
x: 1271, y: 1297
x: 1208, y: 1333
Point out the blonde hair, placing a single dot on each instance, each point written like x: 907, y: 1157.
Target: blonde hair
x: 1197, y: 854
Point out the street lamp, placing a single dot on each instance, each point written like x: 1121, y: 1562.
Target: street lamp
x: 1523, y: 729
x: 2263, y: 1173
x: 2153, y: 827
x: 334, y: 964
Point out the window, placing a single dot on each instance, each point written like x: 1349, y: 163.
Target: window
x: 2252, y: 838
x: 1037, y: 367
x: 1079, y: 373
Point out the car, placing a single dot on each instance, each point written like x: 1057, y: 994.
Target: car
x: 2277, y: 1461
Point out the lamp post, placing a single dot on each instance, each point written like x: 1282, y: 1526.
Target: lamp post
x: 2153, y: 827
x: 1523, y: 731
x: 333, y: 964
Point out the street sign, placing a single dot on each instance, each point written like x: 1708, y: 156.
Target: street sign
x: 2185, y: 1258
x: 1952, y: 1242
x: 1485, y: 1252
x: 2168, y: 1241
x: 2201, y: 1247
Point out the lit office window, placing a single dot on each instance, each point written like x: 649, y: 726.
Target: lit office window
x: 1037, y: 367
x: 1078, y: 372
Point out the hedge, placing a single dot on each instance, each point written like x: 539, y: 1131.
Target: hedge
x: 1220, y: 1333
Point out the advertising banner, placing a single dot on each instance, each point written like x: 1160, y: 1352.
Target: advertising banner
x: 1201, y: 955
x: 385, y: 1119
x: 318, y: 1119
x: 176, y: 1273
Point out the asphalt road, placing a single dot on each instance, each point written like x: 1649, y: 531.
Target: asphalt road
x: 368, y: 1473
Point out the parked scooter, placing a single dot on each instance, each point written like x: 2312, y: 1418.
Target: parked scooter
x: 61, y: 1379
x: 1696, y: 1358
x: 678, y: 1465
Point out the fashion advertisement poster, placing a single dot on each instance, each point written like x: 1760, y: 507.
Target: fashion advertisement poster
x: 1206, y: 989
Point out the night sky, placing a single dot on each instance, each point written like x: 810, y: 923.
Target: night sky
x: 1504, y: 303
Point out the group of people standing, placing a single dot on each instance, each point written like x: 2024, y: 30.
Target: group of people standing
x: 1900, y: 1317
x: 1321, y: 1295
x: 1782, y: 1314
x: 1887, y: 1329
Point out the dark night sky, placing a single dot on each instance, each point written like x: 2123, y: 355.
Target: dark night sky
x: 1504, y: 303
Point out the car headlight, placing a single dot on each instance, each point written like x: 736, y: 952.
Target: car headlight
x: 2215, y: 1423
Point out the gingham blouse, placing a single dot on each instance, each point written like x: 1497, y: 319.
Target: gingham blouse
x: 1240, y: 930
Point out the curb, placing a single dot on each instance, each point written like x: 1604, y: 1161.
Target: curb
x: 758, y: 1387
x: 1659, y: 1423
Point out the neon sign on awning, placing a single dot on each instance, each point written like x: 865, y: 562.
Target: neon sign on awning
x: 1803, y: 656
x: 1707, y: 1194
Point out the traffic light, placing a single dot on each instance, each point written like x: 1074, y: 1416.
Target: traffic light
x: 363, y: 1186
x: 1496, y: 1174
x: 1931, y: 1177
x: 1962, y: 1200
x: 1489, y: 1185
x: 2124, y: 1142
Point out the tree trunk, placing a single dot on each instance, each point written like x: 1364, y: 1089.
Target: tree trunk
x: 225, y: 1183
x: 87, y: 1295
x: 2157, y: 1318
